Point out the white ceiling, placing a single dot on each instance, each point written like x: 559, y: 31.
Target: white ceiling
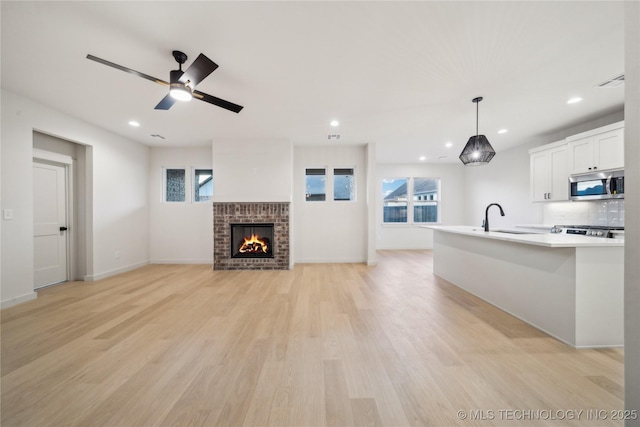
x: 398, y: 74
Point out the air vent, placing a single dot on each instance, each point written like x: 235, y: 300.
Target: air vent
x: 333, y: 137
x: 611, y: 83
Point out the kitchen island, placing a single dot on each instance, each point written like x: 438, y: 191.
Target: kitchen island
x: 570, y: 287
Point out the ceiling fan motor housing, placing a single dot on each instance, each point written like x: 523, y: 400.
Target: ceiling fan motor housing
x: 177, y: 89
x: 174, y: 76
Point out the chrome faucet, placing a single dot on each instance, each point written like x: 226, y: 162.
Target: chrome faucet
x: 486, y: 215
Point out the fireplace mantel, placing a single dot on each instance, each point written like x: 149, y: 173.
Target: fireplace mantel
x: 227, y: 213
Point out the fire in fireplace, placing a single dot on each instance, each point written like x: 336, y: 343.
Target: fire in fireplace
x: 251, y: 240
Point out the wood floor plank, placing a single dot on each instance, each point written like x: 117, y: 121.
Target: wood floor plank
x: 336, y: 396
x: 365, y: 413
x: 319, y: 345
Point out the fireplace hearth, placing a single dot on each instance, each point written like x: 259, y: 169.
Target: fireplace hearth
x: 252, y: 240
x: 264, y: 249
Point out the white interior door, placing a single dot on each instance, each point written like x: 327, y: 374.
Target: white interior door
x: 49, y: 224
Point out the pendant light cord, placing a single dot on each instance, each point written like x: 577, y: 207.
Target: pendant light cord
x: 477, y: 116
x: 477, y: 101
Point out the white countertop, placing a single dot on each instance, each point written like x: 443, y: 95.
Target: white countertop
x: 549, y: 240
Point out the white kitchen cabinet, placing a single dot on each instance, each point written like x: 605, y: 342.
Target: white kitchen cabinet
x: 549, y: 173
x: 599, y: 149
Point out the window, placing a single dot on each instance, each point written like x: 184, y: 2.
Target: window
x: 175, y: 185
x: 202, y: 185
x: 394, y: 192
x: 315, y: 185
x: 425, y: 199
x: 411, y: 200
x: 343, y: 184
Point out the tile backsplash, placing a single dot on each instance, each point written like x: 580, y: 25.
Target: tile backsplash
x: 594, y: 212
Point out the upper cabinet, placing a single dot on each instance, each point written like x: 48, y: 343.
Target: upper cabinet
x: 599, y: 149
x: 551, y: 164
x: 549, y: 172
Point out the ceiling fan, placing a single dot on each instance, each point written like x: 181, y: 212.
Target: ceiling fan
x: 181, y: 83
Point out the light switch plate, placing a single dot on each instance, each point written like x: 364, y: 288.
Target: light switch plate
x: 7, y: 213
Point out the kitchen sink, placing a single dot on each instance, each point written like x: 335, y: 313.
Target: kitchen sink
x: 514, y: 232
x: 506, y: 231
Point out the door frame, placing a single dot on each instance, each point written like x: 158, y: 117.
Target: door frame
x: 66, y: 162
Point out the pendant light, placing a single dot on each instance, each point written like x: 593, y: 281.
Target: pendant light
x: 478, y: 151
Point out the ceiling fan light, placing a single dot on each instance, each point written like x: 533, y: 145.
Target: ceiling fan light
x: 180, y: 92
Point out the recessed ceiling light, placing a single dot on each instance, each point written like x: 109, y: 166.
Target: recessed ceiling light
x: 334, y: 123
x: 423, y: 158
x: 449, y: 144
x: 134, y: 124
x: 503, y: 131
x: 574, y: 100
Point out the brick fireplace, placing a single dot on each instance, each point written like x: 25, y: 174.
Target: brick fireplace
x: 228, y: 214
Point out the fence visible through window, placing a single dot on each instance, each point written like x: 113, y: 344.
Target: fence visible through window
x: 411, y: 200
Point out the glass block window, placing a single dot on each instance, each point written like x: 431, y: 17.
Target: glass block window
x: 175, y: 185
x: 202, y: 185
x: 344, y: 184
x: 395, y: 199
x: 315, y: 185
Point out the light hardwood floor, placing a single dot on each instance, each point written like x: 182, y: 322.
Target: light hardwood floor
x: 322, y: 344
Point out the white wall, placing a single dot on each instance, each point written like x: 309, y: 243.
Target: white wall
x: 117, y: 185
x: 452, y: 198
x: 330, y: 231
x: 179, y: 232
x: 632, y: 223
x: 252, y: 171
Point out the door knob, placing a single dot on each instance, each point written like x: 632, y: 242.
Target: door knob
x: 63, y: 228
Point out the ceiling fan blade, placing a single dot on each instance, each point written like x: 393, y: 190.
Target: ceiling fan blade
x: 198, y: 70
x: 217, y: 101
x: 166, y: 103
x: 127, y: 70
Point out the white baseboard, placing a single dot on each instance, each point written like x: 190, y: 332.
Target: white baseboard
x: 331, y: 261
x: 418, y: 247
x: 182, y: 261
x: 104, y: 275
x: 18, y: 300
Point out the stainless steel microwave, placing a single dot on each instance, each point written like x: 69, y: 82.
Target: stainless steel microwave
x: 597, y: 185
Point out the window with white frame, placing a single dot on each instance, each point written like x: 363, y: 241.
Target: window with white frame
x: 395, y: 201
x: 175, y: 185
x: 344, y: 184
x: 315, y: 185
x: 411, y: 200
x: 202, y: 185
x: 425, y: 200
